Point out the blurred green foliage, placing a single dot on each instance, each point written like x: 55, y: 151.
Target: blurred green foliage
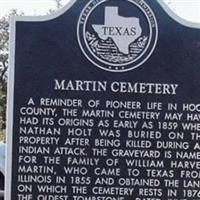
x: 4, y: 59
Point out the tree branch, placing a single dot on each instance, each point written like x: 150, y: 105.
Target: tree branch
x: 2, y: 76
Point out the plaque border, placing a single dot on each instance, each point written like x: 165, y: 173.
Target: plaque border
x: 11, y: 73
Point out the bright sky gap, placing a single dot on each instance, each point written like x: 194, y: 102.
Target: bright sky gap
x: 188, y: 9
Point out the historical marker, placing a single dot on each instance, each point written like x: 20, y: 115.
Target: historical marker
x: 104, y: 104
